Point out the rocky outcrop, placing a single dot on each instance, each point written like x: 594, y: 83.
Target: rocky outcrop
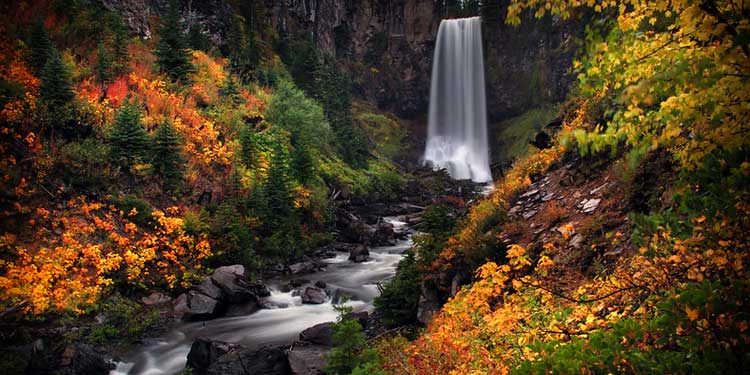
x: 213, y: 16
x: 307, y: 360
x: 262, y: 361
x: 388, y: 46
x: 204, y: 352
x: 319, y: 334
x: 226, y: 291
x: 393, y: 42
x: 87, y: 360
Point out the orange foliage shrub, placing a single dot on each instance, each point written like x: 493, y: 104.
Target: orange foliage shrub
x: 96, y: 246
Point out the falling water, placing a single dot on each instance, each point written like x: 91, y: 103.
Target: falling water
x: 457, y: 133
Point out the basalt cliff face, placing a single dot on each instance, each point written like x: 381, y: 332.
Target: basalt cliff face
x: 388, y: 46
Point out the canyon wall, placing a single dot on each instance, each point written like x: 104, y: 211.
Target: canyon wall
x: 388, y: 45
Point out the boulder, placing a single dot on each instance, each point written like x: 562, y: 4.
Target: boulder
x: 180, y: 305
x: 359, y: 254
x: 242, y: 309
x: 205, y: 351
x: 307, y: 360
x: 155, y: 299
x: 319, y: 334
x: 201, y: 306
x: 235, y: 289
x: 384, y: 235
x: 262, y: 361
x: 313, y: 295
x: 208, y: 288
x: 362, y: 317
x: 302, y: 268
x: 429, y: 304
x: 86, y: 360
x: 321, y: 284
x: 237, y: 270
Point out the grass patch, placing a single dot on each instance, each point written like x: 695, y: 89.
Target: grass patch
x: 510, y: 138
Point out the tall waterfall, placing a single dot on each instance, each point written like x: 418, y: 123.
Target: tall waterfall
x: 457, y: 132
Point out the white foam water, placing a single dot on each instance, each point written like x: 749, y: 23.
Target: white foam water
x: 284, y: 317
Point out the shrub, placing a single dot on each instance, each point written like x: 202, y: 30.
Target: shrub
x: 136, y: 209
x: 399, y: 299
x: 85, y: 165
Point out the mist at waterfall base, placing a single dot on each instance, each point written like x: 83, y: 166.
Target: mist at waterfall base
x: 284, y: 317
x: 457, y: 120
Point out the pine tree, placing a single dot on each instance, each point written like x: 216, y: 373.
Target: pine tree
x: 103, y: 66
x: 41, y: 47
x: 129, y: 139
x: 166, y: 157
x: 120, y: 53
x: 333, y: 91
x: 197, y: 39
x: 172, y: 54
x: 230, y: 90
x: 56, y: 88
x: 243, y: 54
x: 302, y: 161
x: 277, y: 191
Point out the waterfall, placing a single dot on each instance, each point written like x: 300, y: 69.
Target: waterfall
x: 457, y: 122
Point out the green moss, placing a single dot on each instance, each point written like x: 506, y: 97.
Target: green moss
x: 385, y: 130
x: 510, y: 138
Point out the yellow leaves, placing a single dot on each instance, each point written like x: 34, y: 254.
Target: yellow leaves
x: 517, y: 257
x: 692, y: 314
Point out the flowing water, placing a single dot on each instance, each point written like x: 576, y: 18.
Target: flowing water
x: 283, y: 321
x: 457, y: 121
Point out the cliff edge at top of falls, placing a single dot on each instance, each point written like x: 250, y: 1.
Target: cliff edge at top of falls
x: 388, y: 46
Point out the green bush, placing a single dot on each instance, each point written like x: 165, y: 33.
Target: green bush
x: 123, y: 317
x: 231, y: 238
x: 349, y: 345
x: 656, y: 347
x: 85, y: 165
x: 143, y: 210
x: 399, y: 299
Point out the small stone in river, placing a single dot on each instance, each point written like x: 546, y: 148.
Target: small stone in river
x: 313, y: 295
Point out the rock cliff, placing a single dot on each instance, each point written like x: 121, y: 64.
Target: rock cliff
x: 388, y: 46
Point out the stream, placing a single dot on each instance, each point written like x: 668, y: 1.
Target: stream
x: 284, y: 317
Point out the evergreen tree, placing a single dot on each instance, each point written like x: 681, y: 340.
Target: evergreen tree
x: 333, y: 91
x: 302, y: 161
x: 303, y: 62
x: 41, y: 47
x: 103, y: 66
x: 243, y: 53
x: 119, y: 48
x: 166, y: 157
x: 277, y: 190
x: 231, y: 90
x: 56, y: 88
x: 172, y: 54
x: 129, y: 139
x: 197, y: 39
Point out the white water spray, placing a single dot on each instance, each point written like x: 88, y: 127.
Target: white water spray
x: 457, y: 122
